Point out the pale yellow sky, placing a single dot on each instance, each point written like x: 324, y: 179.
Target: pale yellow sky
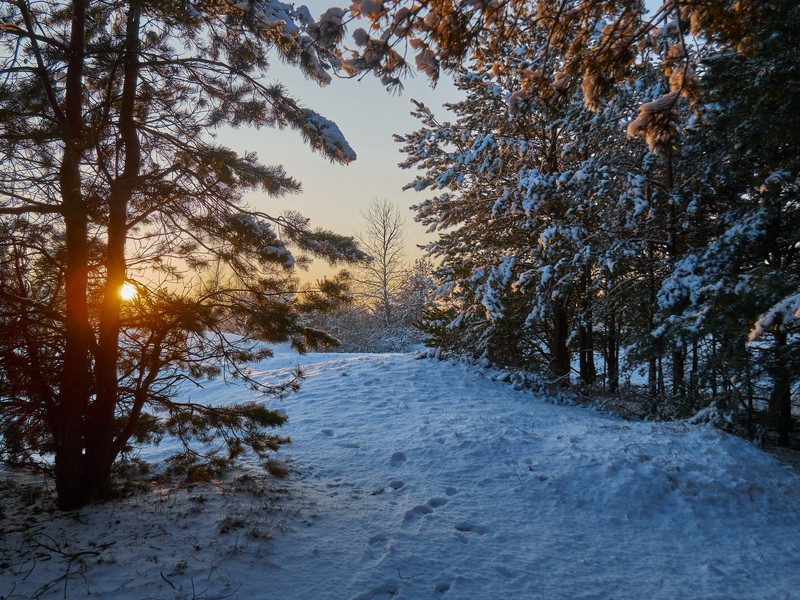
x: 368, y: 116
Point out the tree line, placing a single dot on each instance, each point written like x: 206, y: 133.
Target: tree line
x: 618, y: 193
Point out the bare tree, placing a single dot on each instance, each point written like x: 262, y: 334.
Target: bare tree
x: 383, y: 238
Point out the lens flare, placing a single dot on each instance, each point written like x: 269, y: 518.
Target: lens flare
x: 128, y: 291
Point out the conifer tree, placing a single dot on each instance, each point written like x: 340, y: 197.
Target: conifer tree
x: 108, y: 179
x: 739, y: 282
x: 529, y: 222
x: 636, y: 245
x: 703, y: 248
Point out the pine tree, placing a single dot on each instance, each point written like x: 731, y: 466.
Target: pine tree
x: 740, y: 280
x: 535, y: 224
x: 109, y: 178
x: 698, y: 257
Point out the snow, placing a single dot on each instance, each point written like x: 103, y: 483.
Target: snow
x: 426, y: 479
x: 263, y: 236
x: 663, y: 104
x: 328, y: 138
x: 781, y: 314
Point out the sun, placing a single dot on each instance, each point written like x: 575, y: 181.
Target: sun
x: 128, y: 291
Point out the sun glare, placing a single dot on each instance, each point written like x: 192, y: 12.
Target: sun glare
x: 127, y: 291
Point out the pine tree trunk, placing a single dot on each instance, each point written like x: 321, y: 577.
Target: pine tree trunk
x: 612, y: 344
x: 751, y: 425
x: 652, y: 366
x: 652, y: 375
x: 587, y: 367
x: 678, y: 368
x: 780, y: 401
x: 101, y: 446
x: 84, y: 435
x: 678, y: 387
x: 694, y: 372
x: 559, y: 354
x: 725, y: 349
x: 588, y: 371
x: 714, y: 367
x: 613, y: 353
x: 76, y: 378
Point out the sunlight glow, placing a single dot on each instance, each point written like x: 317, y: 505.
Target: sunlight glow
x: 128, y: 291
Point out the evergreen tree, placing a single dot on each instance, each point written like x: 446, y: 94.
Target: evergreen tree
x: 704, y: 255
x: 534, y: 224
x: 739, y: 282
x: 109, y: 178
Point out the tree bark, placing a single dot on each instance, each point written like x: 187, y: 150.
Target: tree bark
x: 678, y: 357
x: 612, y: 351
x: 101, y: 447
x: 678, y: 368
x: 694, y: 372
x: 76, y: 380
x: 780, y: 401
x: 587, y: 367
x: 588, y: 371
x: 559, y: 353
x: 85, y: 444
x: 652, y: 361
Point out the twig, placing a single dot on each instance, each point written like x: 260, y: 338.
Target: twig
x: 233, y: 593
x: 31, y: 571
x: 167, y: 580
x: 55, y: 548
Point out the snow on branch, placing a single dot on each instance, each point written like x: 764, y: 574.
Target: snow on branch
x: 324, y: 135
x: 260, y: 235
x: 273, y: 14
x: 780, y: 315
x: 653, y: 120
x: 303, y: 41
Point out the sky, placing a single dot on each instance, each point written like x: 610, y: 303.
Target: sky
x: 333, y: 196
x: 368, y: 115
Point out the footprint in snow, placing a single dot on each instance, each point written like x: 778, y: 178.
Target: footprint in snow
x: 398, y: 458
x: 378, y: 539
x: 424, y: 509
x: 397, y: 484
x: 414, y: 513
x: 505, y: 571
x: 450, y: 491
x: 348, y: 445
x: 442, y: 587
x: 380, y: 546
x: 328, y: 432
x: 387, y: 589
x: 468, y: 527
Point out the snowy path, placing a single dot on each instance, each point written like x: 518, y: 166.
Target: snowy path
x: 423, y: 479
x: 488, y: 492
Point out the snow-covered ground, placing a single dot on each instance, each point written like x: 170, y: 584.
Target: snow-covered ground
x: 426, y: 479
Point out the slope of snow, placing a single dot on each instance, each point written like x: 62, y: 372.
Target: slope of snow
x: 426, y: 479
